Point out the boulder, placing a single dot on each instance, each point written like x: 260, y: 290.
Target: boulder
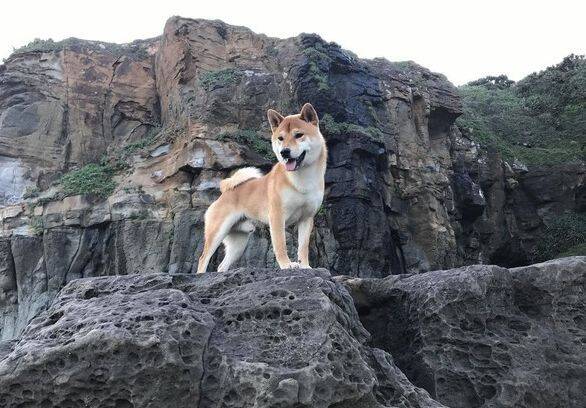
x: 484, y: 336
x: 248, y: 337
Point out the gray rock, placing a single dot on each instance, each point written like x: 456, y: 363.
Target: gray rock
x: 485, y: 336
x: 248, y: 337
x: 13, y: 180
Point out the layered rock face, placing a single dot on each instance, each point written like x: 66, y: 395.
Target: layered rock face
x: 248, y: 337
x: 406, y: 191
x: 67, y: 107
x: 484, y: 336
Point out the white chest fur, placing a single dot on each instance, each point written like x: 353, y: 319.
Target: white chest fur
x: 305, y: 198
x: 298, y: 205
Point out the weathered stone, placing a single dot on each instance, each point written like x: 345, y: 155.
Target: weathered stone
x: 248, y: 337
x: 484, y: 336
x: 68, y: 107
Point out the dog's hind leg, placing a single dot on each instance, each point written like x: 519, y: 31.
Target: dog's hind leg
x: 218, y: 223
x: 235, y: 244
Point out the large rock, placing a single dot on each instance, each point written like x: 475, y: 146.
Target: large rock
x: 248, y: 337
x: 485, y: 336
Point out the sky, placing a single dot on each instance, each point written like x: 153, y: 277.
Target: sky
x: 463, y: 40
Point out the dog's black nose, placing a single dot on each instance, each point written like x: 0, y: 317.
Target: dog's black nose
x: 286, y: 153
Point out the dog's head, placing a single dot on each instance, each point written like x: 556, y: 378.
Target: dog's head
x: 296, y: 140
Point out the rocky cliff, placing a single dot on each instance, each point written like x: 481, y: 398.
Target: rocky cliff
x: 109, y: 155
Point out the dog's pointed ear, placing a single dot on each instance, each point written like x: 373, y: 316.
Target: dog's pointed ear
x: 309, y: 114
x: 275, y: 118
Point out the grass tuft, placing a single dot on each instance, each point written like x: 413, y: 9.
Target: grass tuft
x: 251, y: 139
x: 90, y: 179
x: 563, y: 236
x: 330, y: 126
x: 217, y: 79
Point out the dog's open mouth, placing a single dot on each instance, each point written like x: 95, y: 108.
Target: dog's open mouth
x: 293, y: 164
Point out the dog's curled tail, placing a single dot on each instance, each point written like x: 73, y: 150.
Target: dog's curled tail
x: 239, y: 177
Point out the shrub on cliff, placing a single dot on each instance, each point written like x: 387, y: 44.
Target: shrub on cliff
x: 563, y: 236
x: 134, y: 50
x: 330, y: 126
x: 39, y: 45
x: 251, y: 139
x: 90, y: 179
x: 223, y: 77
x: 539, y: 120
x: 494, y: 82
x: 318, y: 59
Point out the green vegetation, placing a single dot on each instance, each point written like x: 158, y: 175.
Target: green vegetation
x: 31, y: 192
x: 272, y: 51
x: 134, y: 50
x: 320, y: 77
x: 36, y: 225
x: 251, y: 139
x: 317, y: 56
x: 119, y: 161
x: 402, y: 65
x: 493, y: 82
x: 416, y: 74
x: 330, y: 126
x: 39, y: 45
x: 90, y: 179
x: 224, y: 77
x: 45, y: 200
x: 134, y: 147
x: 563, y: 236
x: 576, y: 250
x: 539, y: 120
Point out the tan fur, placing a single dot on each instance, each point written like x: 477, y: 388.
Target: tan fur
x: 279, y: 198
x: 239, y: 177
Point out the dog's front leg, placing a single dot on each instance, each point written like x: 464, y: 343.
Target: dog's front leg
x: 277, y: 227
x: 303, y: 233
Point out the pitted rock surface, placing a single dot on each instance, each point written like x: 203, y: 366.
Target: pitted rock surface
x: 485, y: 336
x: 245, y: 338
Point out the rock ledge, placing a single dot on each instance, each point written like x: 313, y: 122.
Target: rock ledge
x: 248, y: 337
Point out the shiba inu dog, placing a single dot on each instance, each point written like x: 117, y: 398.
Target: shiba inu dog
x: 291, y: 193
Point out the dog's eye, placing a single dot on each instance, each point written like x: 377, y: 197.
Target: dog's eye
x: 298, y: 135
x: 280, y: 138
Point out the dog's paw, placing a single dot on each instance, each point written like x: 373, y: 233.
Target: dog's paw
x: 292, y: 265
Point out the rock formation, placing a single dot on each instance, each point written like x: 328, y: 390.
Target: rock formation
x: 172, y: 115
x: 248, y: 337
x: 484, y: 336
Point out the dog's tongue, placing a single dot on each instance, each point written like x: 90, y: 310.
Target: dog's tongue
x: 290, y: 164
